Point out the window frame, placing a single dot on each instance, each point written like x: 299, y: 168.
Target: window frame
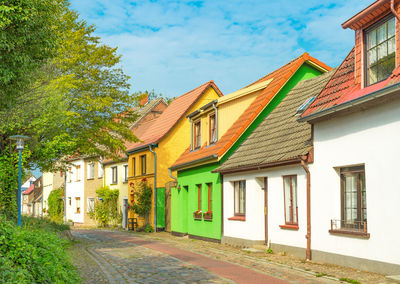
x: 88, y: 204
x: 238, y: 212
x: 198, y: 186
x: 89, y: 170
x: 134, y: 166
x: 212, y: 130
x: 196, y: 138
x: 77, y: 208
x: 210, y: 199
x: 114, y: 181
x: 291, y: 219
x: 365, y: 46
x: 143, y: 165
x: 351, y: 171
x: 100, y: 170
x: 126, y: 172
x: 78, y: 170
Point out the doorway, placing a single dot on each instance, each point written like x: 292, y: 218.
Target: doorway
x: 125, y: 206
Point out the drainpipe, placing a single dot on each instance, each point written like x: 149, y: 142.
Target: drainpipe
x: 308, y: 236
x: 394, y: 10
x: 191, y: 133
x: 65, y: 195
x: 170, y: 174
x: 216, y: 119
x: 155, y: 188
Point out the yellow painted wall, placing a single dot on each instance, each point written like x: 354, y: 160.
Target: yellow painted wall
x: 168, y: 151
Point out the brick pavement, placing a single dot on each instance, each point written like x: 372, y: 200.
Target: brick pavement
x: 134, y: 258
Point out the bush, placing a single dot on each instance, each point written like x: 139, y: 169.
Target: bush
x: 142, y: 205
x: 31, y: 255
x: 105, y: 209
x: 56, y: 205
x: 32, y: 223
x: 149, y: 229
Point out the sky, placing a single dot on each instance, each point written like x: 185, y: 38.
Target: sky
x: 175, y: 46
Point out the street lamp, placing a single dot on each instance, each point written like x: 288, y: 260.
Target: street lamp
x: 20, y: 146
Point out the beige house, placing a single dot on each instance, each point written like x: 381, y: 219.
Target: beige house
x: 51, y: 181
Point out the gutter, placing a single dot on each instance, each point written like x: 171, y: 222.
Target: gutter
x: 142, y: 148
x: 155, y: 187
x: 259, y: 167
x: 357, y: 101
x: 173, y: 168
x: 308, y: 235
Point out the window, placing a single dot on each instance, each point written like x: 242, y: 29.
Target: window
x: 90, y: 204
x: 143, y: 164
x: 114, y: 175
x: 353, y: 197
x: 69, y: 174
x: 125, y: 173
x: 290, y: 199
x: 198, y: 197
x: 78, y: 205
x: 197, y: 135
x: 90, y: 171
x: 213, y: 129
x: 78, y: 173
x: 134, y: 166
x: 380, y: 50
x: 69, y: 201
x: 100, y: 170
x: 240, y: 197
x: 209, y: 187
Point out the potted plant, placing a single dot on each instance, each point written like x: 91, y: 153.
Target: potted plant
x: 208, y: 216
x: 197, y: 215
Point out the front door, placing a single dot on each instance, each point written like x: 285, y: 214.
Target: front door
x: 125, y: 206
x: 266, y: 209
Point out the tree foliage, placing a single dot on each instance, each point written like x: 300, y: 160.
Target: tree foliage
x: 142, y: 205
x: 56, y: 205
x: 105, y: 209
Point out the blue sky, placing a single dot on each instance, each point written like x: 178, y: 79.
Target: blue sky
x: 175, y: 46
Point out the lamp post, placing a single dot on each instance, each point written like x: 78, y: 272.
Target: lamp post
x: 20, y: 146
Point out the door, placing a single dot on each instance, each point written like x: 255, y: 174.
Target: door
x: 125, y: 205
x: 266, y: 209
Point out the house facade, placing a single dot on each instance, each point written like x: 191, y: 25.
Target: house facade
x: 51, y: 181
x: 356, y: 121
x: 74, y: 191
x: 265, y: 180
x: 218, y: 128
x: 162, y: 143
x: 27, y: 198
x: 37, y: 201
x: 116, y: 172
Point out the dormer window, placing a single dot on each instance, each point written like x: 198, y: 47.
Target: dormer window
x: 213, y: 129
x: 380, y: 50
x: 197, y: 135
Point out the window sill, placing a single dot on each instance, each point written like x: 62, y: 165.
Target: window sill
x: 125, y: 181
x: 349, y: 233
x: 113, y: 183
x: 90, y: 178
x: 289, y: 227
x: 237, y: 218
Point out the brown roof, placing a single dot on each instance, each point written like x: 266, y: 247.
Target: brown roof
x: 279, y: 137
x: 279, y: 78
x: 171, y: 115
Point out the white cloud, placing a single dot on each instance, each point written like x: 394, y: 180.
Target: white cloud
x: 173, y: 47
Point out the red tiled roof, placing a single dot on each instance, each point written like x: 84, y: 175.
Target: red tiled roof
x: 343, y: 88
x: 29, y: 189
x: 280, y: 77
x: 171, y: 115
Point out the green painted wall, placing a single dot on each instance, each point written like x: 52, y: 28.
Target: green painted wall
x: 160, y: 207
x: 184, y: 203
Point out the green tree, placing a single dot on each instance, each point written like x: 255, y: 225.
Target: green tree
x: 105, y: 209
x: 56, y: 205
x: 142, y: 205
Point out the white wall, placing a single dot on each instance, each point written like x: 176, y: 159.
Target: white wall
x: 254, y: 227
x: 372, y: 138
x: 75, y: 189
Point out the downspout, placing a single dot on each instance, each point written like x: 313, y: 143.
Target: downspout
x: 155, y: 187
x: 170, y: 174
x: 65, y: 195
x: 216, y: 120
x: 308, y: 235
x: 394, y: 10
x: 191, y: 133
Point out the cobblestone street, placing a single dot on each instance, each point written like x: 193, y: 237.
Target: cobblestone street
x: 121, y: 257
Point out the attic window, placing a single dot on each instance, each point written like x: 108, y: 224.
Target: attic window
x: 380, y: 50
x: 303, y: 107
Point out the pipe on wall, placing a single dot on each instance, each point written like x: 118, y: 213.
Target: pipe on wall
x: 155, y: 187
x: 191, y: 133
x: 308, y: 235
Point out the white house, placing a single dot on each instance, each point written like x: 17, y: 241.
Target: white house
x: 265, y: 179
x: 74, y: 191
x: 51, y: 181
x: 355, y: 195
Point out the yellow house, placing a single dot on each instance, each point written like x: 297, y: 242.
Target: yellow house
x: 116, y: 172
x: 162, y: 143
